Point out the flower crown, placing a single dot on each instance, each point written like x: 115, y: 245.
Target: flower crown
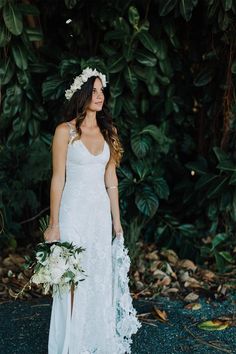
x: 81, y: 79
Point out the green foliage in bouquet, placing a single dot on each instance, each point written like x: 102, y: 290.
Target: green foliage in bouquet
x: 56, y: 266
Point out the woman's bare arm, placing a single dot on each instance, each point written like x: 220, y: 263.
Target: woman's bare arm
x: 111, y: 180
x: 59, y: 152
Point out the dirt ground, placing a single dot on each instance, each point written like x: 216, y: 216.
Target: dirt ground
x: 24, y: 327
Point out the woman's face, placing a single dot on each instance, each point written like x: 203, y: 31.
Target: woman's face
x: 97, y: 99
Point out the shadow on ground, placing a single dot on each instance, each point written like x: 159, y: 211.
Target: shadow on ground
x: 24, y: 328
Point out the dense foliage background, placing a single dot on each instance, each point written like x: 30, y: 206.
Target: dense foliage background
x: 171, y: 67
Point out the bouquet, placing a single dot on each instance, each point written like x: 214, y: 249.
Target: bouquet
x: 56, y: 265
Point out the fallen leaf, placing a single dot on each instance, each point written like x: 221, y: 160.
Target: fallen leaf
x: 191, y: 297
x: 193, y: 306
x: 214, y: 325
x: 187, y: 264
x: 160, y: 314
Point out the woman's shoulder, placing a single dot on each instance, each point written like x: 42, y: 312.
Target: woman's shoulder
x: 64, y: 127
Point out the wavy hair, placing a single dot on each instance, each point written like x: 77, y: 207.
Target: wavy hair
x: 77, y: 108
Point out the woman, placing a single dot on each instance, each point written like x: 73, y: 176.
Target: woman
x: 84, y: 205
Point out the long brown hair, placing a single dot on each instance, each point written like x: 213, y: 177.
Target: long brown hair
x: 77, y: 107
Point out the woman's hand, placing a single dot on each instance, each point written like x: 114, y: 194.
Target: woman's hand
x: 51, y: 234
x: 118, y: 230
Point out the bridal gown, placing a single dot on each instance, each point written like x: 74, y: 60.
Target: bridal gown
x: 103, y: 318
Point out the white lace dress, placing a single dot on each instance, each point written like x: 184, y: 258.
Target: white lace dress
x: 103, y: 318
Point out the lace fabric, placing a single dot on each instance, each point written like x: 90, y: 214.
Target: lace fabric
x: 125, y: 314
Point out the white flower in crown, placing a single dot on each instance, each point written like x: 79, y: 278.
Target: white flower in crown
x: 81, y: 79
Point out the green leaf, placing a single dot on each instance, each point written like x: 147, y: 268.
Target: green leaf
x: 166, y: 6
x: 7, y: 69
x: 163, y: 79
x: 218, y: 239
x: 204, y: 77
x: 220, y: 154
x: 214, y: 325
x: 153, y: 88
x: 140, y: 72
x: 116, y: 64
x: 227, y: 4
x: 51, y: 88
x: 133, y: 16
x: 117, y: 86
x: 146, y: 58
x: 33, y: 127
x: 146, y: 201
x: 160, y: 186
x: 161, y: 49
x: 186, y: 8
x: 226, y: 165
x: 129, y: 106
x: 166, y: 68
x: 232, y: 180
x: 13, y: 18
x: 217, y: 187
x: 187, y: 229
x: 140, y: 144
x: 24, y: 79
x: 205, y: 180
x: 126, y: 187
x: 25, y: 110
x: 34, y: 34
x: 12, y: 101
x: 116, y: 106
x: 148, y: 42
x: 227, y: 256
x: 20, y: 56
x: 38, y: 67
x: 140, y: 168
x: 152, y: 130
x: 125, y: 171
x: 5, y: 35
x: 131, y: 79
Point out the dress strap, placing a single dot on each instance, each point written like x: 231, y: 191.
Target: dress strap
x: 72, y: 131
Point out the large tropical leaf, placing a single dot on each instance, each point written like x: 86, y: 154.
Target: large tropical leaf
x: 146, y: 58
x: 52, y: 88
x: 13, y: 18
x: 7, y: 69
x: 20, y: 56
x: 147, y: 201
x: 148, y: 41
x: 160, y: 186
x: 140, y: 144
x: 131, y: 79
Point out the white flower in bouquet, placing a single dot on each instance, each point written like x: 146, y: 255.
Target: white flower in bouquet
x: 42, y: 276
x: 57, y: 266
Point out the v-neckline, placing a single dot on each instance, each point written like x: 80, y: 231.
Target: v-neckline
x: 83, y: 144
x: 90, y: 151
